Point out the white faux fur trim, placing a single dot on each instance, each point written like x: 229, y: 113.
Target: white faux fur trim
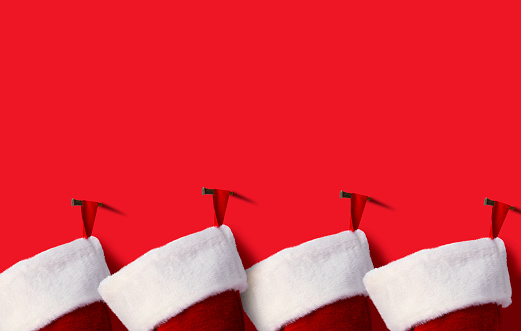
x: 298, y: 280
x: 166, y: 280
x: 433, y: 282
x: 36, y: 291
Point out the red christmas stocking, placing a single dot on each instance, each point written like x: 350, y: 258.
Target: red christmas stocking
x: 452, y: 287
x: 314, y: 286
x: 188, y: 284
x: 56, y: 290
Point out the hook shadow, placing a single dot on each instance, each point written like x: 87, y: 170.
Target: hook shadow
x: 112, y: 209
x: 243, y: 198
x: 516, y: 210
x: 380, y: 203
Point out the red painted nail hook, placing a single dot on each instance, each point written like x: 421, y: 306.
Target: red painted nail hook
x: 88, y: 214
x: 499, y: 213
x: 220, y: 201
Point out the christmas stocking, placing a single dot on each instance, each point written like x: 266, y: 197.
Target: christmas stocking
x: 452, y: 287
x: 459, y: 286
x: 57, y: 290
x: 188, y: 284
x: 314, y: 286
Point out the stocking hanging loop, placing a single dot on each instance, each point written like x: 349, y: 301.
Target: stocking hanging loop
x: 357, y: 208
x: 220, y: 201
x: 499, y: 213
x: 88, y: 214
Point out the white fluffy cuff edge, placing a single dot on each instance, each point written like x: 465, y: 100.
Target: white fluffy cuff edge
x: 433, y: 282
x: 37, y: 291
x: 166, y: 280
x: 298, y: 280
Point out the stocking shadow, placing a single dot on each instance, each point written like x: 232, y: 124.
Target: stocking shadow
x: 113, y: 262
x: 377, y: 256
x: 245, y: 253
x: 510, y: 315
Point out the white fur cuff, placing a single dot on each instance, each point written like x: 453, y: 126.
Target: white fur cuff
x: 298, y: 280
x: 433, y: 282
x: 36, y: 291
x: 166, y: 280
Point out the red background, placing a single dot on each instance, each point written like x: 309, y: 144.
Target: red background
x: 139, y: 106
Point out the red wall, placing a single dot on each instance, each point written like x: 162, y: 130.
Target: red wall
x: 415, y: 105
